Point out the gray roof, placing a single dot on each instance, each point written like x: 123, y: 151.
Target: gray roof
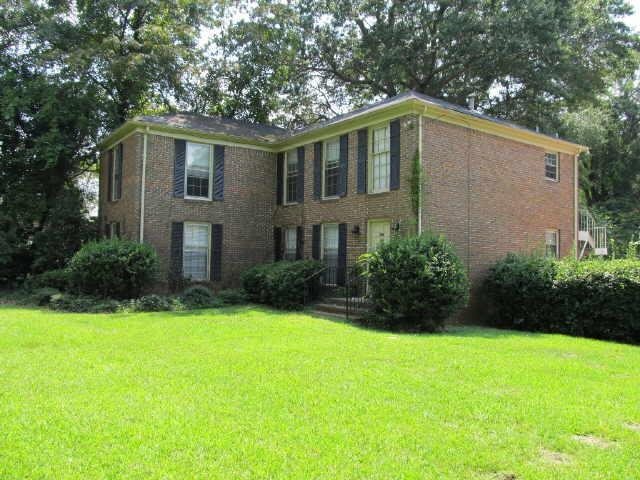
x: 271, y: 134
x: 222, y: 125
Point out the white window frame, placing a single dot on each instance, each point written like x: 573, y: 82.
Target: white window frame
x: 369, y: 230
x: 114, y: 187
x: 556, y: 234
x: 288, y: 255
x: 557, y: 177
x: 285, y: 188
x: 322, y: 228
x: 184, y: 245
x: 186, y: 163
x: 370, y: 159
x: 324, y: 166
x: 112, y: 230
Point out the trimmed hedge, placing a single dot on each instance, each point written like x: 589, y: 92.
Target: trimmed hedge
x: 281, y: 284
x: 113, y: 268
x: 415, y: 283
x: 60, y: 279
x: 593, y: 298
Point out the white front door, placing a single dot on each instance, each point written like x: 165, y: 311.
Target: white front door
x: 379, y: 231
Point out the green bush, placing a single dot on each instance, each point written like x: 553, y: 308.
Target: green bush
x: 113, y: 268
x: 528, y: 278
x: 281, y: 284
x: 151, y: 303
x: 42, y: 296
x: 199, y: 296
x: 59, y: 279
x: 83, y: 304
x: 415, y: 283
x: 594, y: 298
x: 232, y: 296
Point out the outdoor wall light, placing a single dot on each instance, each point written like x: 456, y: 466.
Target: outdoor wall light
x: 396, y: 227
x: 356, y: 230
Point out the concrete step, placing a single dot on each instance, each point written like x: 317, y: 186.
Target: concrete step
x: 330, y: 308
x: 343, y: 301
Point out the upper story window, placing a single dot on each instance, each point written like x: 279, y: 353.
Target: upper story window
x: 551, y: 166
x: 331, y: 168
x: 551, y: 244
x: 290, y: 243
x: 291, y: 177
x: 199, y: 170
x: 196, y: 251
x: 380, y: 166
x: 116, y: 172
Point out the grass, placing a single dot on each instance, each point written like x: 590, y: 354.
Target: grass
x: 253, y: 393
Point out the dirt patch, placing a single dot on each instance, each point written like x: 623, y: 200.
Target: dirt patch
x: 633, y: 426
x: 594, y: 441
x: 557, y: 458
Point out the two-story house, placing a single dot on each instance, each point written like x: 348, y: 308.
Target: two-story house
x: 215, y: 196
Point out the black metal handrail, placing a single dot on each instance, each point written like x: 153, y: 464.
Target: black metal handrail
x: 314, y: 276
x: 355, y: 290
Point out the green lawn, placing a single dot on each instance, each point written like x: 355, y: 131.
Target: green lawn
x: 252, y: 393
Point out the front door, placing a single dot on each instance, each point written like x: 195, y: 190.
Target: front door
x: 379, y: 231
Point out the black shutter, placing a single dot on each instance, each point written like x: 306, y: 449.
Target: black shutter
x: 300, y: 179
x: 315, y: 242
x: 178, y: 168
x: 342, y: 254
x: 119, y: 170
x: 279, y: 178
x: 117, y: 229
x: 317, y: 170
x: 218, y: 173
x: 107, y: 230
x: 344, y: 165
x: 216, y: 252
x: 110, y: 172
x: 299, y: 243
x: 394, y: 134
x: 363, y: 150
x: 177, y: 236
x: 277, y: 244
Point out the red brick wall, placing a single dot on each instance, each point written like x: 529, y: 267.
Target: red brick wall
x: 489, y: 195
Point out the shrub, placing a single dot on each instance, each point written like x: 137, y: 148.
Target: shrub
x: 199, y: 296
x: 59, y: 279
x: 42, y: 296
x: 415, y: 282
x: 113, y: 268
x: 281, y: 284
x: 529, y: 278
x: 594, y: 298
x: 232, y: 296
x: 151, y: 303
x: 83, y: 304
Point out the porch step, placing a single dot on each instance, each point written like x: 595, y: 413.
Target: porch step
x: 338, y: 306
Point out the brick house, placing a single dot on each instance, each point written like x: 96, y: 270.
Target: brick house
x: 215, y: 196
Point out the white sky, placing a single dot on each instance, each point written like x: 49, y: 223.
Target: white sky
x: 634, y: 21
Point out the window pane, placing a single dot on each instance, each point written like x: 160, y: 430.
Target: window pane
x: 332, y: 168
x: 198, y: 169
x: 290, y: 243
x: 551, y: 165
x: 381, y: 159
x: 196, y: 251
x: 292, y: 177
x: 551, y: 244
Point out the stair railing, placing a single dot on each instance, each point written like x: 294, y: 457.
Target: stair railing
x: 312, y: 285
x: 355, y: 290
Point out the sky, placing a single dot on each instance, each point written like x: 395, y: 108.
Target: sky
x: 634, y: 21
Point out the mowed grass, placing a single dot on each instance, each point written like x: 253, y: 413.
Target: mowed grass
x: 253, y: 393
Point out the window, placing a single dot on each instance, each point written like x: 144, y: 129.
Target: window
x: 116, y: 181
x: 330, y: 252
x: 113, y: 230
x: 331, y: 168
x: 291, y: 178
x: 290, y: 243
x: 380, y: 159
x: 551, y: 166
x: 195, y: 255
x: 199, y: 170
x: 551, y: 243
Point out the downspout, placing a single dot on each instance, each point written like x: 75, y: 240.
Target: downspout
x: 576, y: 213
x: 420, y: 175
x: 142, y: 182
